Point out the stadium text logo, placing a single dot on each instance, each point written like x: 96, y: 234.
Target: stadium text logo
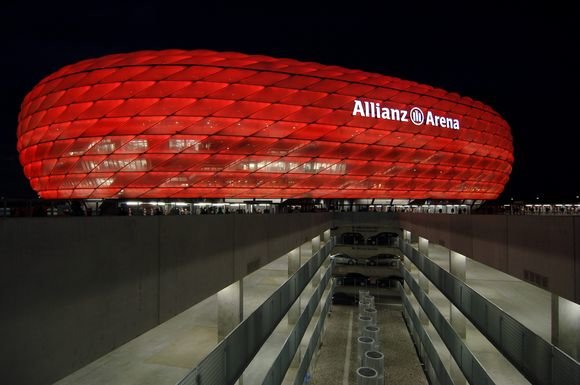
x: 415, y: 115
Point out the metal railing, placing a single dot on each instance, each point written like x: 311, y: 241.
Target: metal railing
x: 278, y: 370
x: 313, y: 344
x: 469, y: 365
x: 422, y: 338
x: 227, y: 361
x: 539, y: 361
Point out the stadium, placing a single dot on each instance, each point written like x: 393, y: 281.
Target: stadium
x: 206, y: 124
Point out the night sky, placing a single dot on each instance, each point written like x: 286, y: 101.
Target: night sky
x: 515, y: 58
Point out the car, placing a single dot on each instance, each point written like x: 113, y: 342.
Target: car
x: 383, y: 259
x: 344, y: 259
x: 343, y: 299
x: 352, y: 279
x: 384, y: 239
x: 389, y: 281
x: 351, y: 238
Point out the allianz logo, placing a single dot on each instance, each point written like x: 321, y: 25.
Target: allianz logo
x: 415, y: 115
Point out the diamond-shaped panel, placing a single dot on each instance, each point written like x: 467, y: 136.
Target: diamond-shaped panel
x: 191, y: 124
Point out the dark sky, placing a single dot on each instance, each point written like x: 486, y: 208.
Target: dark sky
x: 516, y: 58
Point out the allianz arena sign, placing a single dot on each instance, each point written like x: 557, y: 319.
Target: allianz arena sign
x: 415, y: 115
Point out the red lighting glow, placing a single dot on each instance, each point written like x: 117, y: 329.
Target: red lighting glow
x: 189, y: 124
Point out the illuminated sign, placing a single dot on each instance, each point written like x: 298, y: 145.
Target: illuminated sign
x: 415, y: 115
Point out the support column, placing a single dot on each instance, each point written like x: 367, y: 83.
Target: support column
x: 424, y: 246
x: 293, y: 261
x: 315, y: 244
x: 566, y: 326
x: 457, y: 267
x: 230, y: 308
x: 305, y: 252
x: 406, y: 236
x: 326, y: 235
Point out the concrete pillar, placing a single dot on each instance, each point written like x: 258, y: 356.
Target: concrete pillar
x: 406, y: 236
x: 457, y: 265
x: 315, y: 244
x: 305, y: 252
x: 566, y: 326
x: 424, y: 246
x: 230, y: 308
x: 294, y: 263
x: 326, y: 235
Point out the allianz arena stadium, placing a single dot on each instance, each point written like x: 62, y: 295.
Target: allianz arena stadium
x: 205, y: 124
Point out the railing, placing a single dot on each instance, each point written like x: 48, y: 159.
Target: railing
x: 469, y: 365
x: 29, y: 207
x: 313, y: 344
x: 539, y: 361
x: 225, y: 364
x: 423, y: 339
x: 277, y: 371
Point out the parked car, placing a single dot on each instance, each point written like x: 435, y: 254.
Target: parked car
x: 384, y: 239
x: 343, y: 299
x: 389, y: 281
x: 351, y: 238
x: 344, y: 259
x: 352, y: 279
x: 383, y: 259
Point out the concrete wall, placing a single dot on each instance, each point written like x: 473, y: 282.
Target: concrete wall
x: 390, y: 221
x: 547, y: 246
x: 73, y: 289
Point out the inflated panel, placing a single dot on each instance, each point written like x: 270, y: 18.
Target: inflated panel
x: 164, y: 124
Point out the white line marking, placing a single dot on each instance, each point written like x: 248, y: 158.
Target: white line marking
x: 348, y: 347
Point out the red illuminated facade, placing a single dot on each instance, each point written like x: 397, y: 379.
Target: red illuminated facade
x: 189, y: 124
